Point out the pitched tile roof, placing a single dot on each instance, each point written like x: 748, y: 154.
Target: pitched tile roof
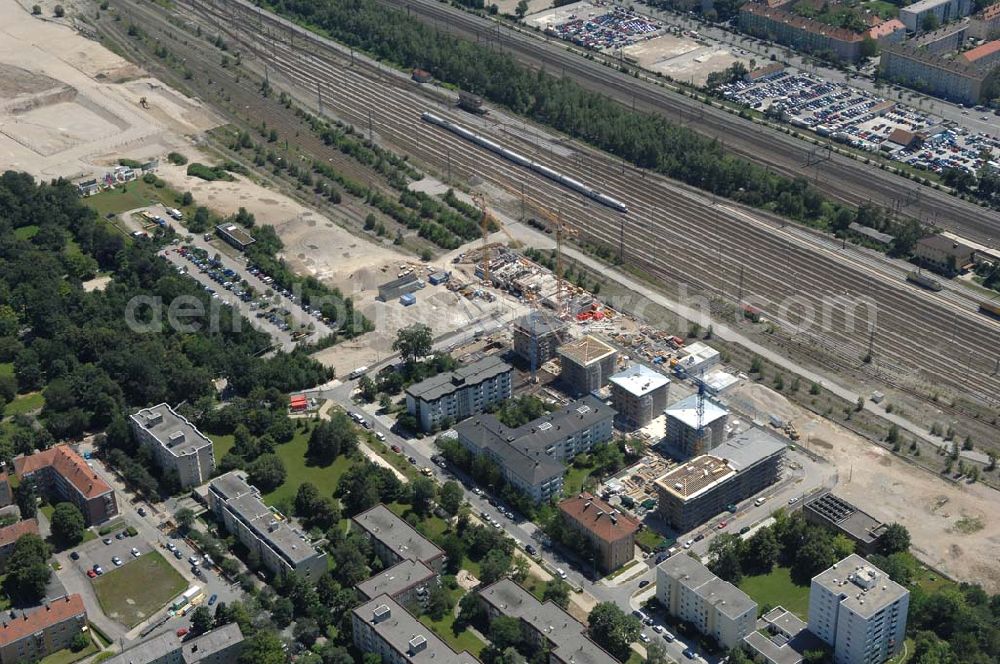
x: 989, y: 48
x: 26, y: 623
x: 601, y: 519
x: 12, y: 533
x: 69, y: 465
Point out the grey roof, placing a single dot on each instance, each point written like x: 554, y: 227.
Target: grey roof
x: 686, y: 411
x: 639, y: 380
x: 399, y: 629
x: 539, y: 323
x: 194, y: 650
x: 478, y: 372
x: 523, y: 450
x: 565, y: 632
x: 837, y: 511
x: 946, y: 244
x: 745, y: 449
x: 724, y: 596
x: 878, y: 236
x: 865, y: 589
x: 244, y: 500
x: 404, y: 280
x: 396, y: 579
x: 786, y: 640
x: 397, y: 535
x: 174, y: 432
x: 235, y: 232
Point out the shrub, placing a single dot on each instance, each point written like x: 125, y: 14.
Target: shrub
x: 209, y: 173
x: 36, y: 10
x: 177, y: 158
x: 59, y: 11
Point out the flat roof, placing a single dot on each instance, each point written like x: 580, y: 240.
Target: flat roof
x: 396, y: 579
x: 724, y: 596
x: 860, y: 525
x: 639, y: 380
x: 586, y: 350
x: 174, y: 432
x: 864, y: 588
x: 446, y: 383
x: 397, y: 535
x: 708, y: 470
x: 404, y: 280
x: 685, y: 411
x: 924, y: 5
x: 236, y: 232
x: 272, y: 527
x: 407, y: 635
x: 539, y: 323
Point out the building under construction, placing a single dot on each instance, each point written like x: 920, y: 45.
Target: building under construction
x: 587, y: 364
x: 694, y: 492
x: 695, y: 425
x: 639, y: 394
x: 537, y: 337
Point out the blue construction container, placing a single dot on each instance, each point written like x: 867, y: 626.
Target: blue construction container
x: 408, y: 299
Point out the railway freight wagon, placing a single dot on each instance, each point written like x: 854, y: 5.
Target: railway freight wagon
x: 990, y: 309
x: 521, y: 160
x: 923, y: 281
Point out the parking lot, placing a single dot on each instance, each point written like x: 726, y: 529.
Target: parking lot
x: 597, y: 25
x: 268, y: 307
x: 867, y: 121
x: 103, y: 551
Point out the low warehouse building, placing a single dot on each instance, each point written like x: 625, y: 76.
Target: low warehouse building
x: 234, y: 235
x: 397, y: 288
x: 694, y: 492
x: 837, y: 514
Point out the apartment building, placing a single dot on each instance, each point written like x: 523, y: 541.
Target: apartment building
x: 62, y: 475
x: 221, y: 645
x: 394, y: 540
x: 953, y: 79
x: 383, y: 627
x: 453, y: 396
x: 586, y: 364
x: 914, y: 16
x: 803, y: 34
x: 15, y: 531
x: 716, y: 608
x: 28, y: 635
x: 639, y: 394
x: 692, y: 433
x: 176, y: 443
x: 545, y: 623
x: 986, y: 55
x: 407, y: 582
x: 537, y: 337
x: 986, y: 24
x: 531, y: 456
x: 281, y: 546
x: 696, y: 491
x: 859, y: 611
x: 610, y: 532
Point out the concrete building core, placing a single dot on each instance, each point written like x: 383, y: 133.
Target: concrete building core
x: 639, y: 394
x: 587, y: 364
x: 690, y: 435
x: 537, y: 337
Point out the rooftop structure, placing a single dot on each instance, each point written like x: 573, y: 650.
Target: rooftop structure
x: 60, y: 471
x: 697, y: 357
x: 458, y: 394
x: 531, y: 455
x: 836, y: 513
x: 914, y: 16
x: 221, y: 645
x: 565, y: 635
x: 384, y: 627
x: 717, y: 608
x: 781, y: 638
x: 587, y: 364
x: 610, y: 532
x: 639, y: 380
x: 395, y: 540
x: 176, y: 443
x: 281, y: 547
x: 988, y: 53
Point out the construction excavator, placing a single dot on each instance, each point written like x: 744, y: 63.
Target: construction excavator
x: 143, y: 103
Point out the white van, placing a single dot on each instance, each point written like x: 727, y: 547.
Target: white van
x: 358, y: 373
x: 561, y: 574
x: 760, y: 501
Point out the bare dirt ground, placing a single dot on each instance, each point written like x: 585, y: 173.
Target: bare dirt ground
x: 891, y: 490
x: 682, y: 58
x: 69, y: 107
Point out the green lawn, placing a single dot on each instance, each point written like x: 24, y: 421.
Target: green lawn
x: 649, y: 539
x: 138, y: 589
x: 573, y: 482
x: 24, y: 403
x: 133, y: 195
x: 293, y: 455
x: 67, y: 656
x: 445, y: 628
x: 535, y: 586
x: 433, y: 527
x: 6, y: 368
x: 221, y: 444
x: 776, y: 589
x: 26, y: 232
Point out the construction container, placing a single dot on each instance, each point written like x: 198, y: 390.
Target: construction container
x: 408, y: 299
x: 439, y: 278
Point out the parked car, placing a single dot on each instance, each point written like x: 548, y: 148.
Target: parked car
x: 689, y: 653
x: 530, y: 549
x: 99, y: 570
x: 119, y: 535
x: 117, y: 561
x: 142, y: 511
x: 106, y: 540
x: 182, y: 631
x: 561, y: 574
x: 177, y: 554
x: 91, y: 573
x: 744, y: 530
x: 380, y: 436
x: 135, y: 552
x: 722, y: 524
x: 658, y: 629
x: 644, y: 583
x: 74, y: 555
x: 212, y: 599
x: 396, y: 448
x: 643, y: 637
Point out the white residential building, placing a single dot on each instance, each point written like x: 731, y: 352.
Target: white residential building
x: 176, y: 443
x: 857, y: 609
x: 453, y: 396
x: 717, y: 608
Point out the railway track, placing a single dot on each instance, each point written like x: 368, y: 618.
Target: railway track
x: 842, y: 178
x: 671, y: 232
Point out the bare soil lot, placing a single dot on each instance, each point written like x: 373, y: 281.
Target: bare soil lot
x: 940, y: 515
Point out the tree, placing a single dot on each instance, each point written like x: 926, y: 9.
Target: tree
x: 413, y: 342
x: 451, y: 497
x: 332, y: 439
x: 187, y: 198
x: 494, y: 566
x: 263, y: 647
x: 59, y: 11
x: 36, y: 10
x: 28, y: 570
x: 438, y: 602
x: 306, y: 631
x: 556, y: 590
x: 470, y: 609
x: 27, y: 498
x: 726, y: 552
x: 368, y: 389
x: 67, y: 524
x: 505, y: 632
x: 656, y: 653
x: 202, y: 620
x: 267, y: 472
x: 423, y: 489
x: 185, y: 519
x: 930, y: 22
x: 895, y: 539
x: 80, y: 642
x: 282, y: 612
x: 761, y: 552
x: 612, y: 629
x: 521, y: 9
